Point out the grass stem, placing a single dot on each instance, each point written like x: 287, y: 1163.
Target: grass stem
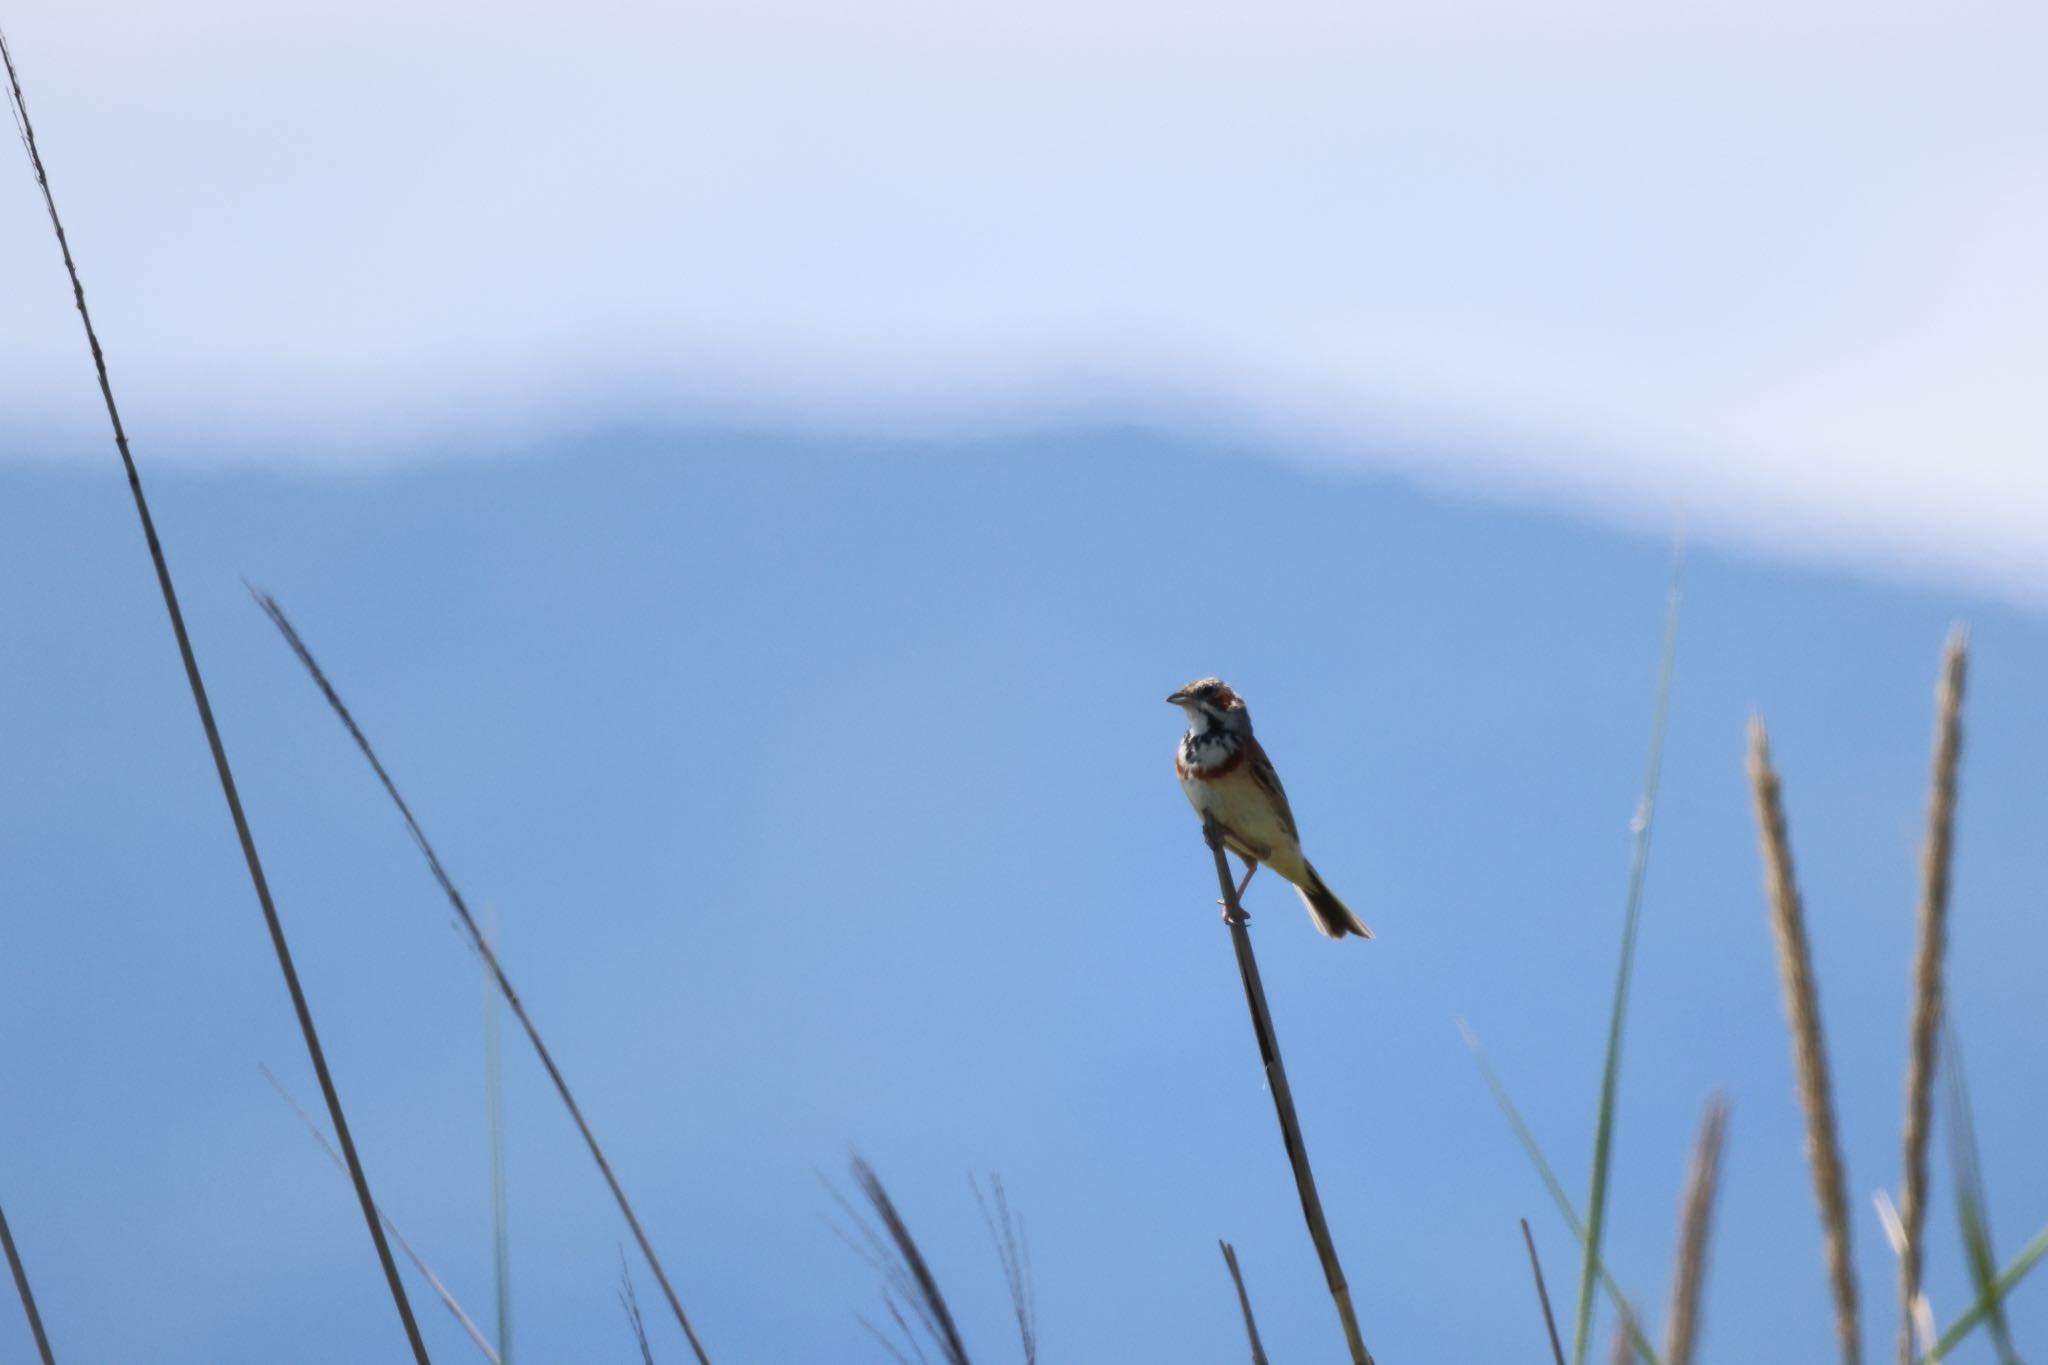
x: 483, y: 947
x: 419, y: 1262
x: 494, y: 1119
x: 28, y: 1298
x: 19, y: 106
x: 1283, y: 1102
x: 1543, y: 1295
x: 1244, y: 1302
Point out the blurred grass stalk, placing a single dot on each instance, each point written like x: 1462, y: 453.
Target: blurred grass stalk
x: 1802, y: 1012
x: 1928, y: 959
x: 1688, y: 1283
x: 905, y: 1273
x: 1283, y: 1101
x: 18, y: 106
x: 490, y: 958
x: 1622, y: 1351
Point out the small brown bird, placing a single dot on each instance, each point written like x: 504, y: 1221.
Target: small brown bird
x: 1232, y: 785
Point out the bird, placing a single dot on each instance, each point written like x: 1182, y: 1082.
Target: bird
x: 1232, y: 785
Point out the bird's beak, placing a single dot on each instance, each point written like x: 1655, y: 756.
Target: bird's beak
x: 1177, y: 699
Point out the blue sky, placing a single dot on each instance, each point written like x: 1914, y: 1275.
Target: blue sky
x: 756, y: 472
x: 823, y: 792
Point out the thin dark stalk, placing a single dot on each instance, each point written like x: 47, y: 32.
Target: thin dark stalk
x: 482, y: 945
x: 1610, y: 1074
x: 1283, y: 1101
x: 1681, y: 1332
x: 19, y: 105
x: 1809, y: 1049
x: 630, y: 1301
x: 883, y: 1337
x: 1244, y: 1302
x: 494, y: 1111
x: 1542, y: 1295
x: 1928, y: 958
x: 419, y: 1262
x: 902, y: 1325
x: 28, y: 1298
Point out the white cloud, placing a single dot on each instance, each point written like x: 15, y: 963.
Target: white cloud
x: 1781, y: 264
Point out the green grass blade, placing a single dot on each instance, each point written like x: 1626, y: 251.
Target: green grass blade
x: 2008, y: 1279
x: 1639, y: 866
x: 1558, y: 1194
x: 1973, y: 1209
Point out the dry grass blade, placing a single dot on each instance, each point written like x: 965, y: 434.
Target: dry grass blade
x: 1543, y: 1295
x: 1681, y: 1333
x: 418, y: 1261
x: 1244, y: 1302
x: 1623, y: 1349
x: 28, y: 1298
x: 1007, y: 1232
x: 1928, y: 958
x: 906, y: 1267
x: 18, y: 105
x: 482, y: 945
x: 1283, y: 1102
x: 1802, y: 1012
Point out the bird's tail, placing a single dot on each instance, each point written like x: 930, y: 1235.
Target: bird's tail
x: 1333, y: 917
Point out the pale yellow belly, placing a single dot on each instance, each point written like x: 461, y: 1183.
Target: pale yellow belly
x: 1237, y: 802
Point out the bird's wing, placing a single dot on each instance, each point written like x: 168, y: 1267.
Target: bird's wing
x: 1268, y: 778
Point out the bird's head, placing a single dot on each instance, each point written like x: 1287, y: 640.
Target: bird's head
x: 1209, y: 701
